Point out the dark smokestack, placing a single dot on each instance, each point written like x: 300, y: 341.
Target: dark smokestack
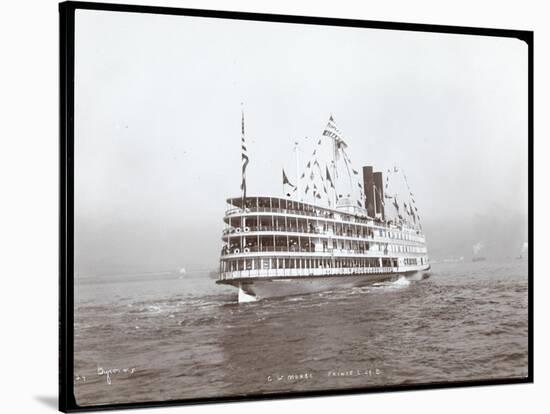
x: 368, y: 187
x: 379, y: 195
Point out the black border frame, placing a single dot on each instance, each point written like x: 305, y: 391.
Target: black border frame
x: 67, y: 401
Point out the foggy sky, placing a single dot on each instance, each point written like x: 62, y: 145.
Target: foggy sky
x: 158, y: 118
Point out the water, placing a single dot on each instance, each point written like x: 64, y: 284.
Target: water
x: 177, y: 338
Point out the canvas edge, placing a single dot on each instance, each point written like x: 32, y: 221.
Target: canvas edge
x: 67, y: 401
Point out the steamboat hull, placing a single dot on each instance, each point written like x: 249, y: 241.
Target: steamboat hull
x: 258, y: 288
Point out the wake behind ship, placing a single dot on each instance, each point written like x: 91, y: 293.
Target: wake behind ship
x: 281, y: 246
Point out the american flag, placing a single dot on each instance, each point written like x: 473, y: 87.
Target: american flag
x: 244, y: 159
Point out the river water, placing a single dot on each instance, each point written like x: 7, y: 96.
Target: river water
x: 166, y: 337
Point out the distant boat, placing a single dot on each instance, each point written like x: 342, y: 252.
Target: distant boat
x: 524, y: 250
x: 453, y: 260
x: 182, y: 272
x: 476, y: 250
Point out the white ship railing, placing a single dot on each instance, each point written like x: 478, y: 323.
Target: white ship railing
x: 302, y: 232
x: 329, y: 218
x: 304, y: 252
x: 320, y: 215
x: 282, y: 273
x: 269, y: 273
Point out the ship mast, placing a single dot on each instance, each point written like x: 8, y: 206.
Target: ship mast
x: 334, y: 171
x: 296, y: 150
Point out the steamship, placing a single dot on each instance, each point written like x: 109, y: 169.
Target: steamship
x: 276, y: 246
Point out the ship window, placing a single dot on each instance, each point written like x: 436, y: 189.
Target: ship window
x: 264, y: 222
x: 280, y: 242
x: 266, y: 243
x: 293, y: 244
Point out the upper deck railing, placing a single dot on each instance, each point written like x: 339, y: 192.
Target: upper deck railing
x: 310, y: 211
x: 323, y: 215
x: 292, y: 250
x: 300, y: 229
x: 316, y: 231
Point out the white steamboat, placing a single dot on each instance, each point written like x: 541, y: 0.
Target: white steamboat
x: 276, y: 246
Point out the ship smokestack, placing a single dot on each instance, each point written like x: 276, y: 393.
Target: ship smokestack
x: 379, y: 196
x: 368, y: 187
x: 373, y: 185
